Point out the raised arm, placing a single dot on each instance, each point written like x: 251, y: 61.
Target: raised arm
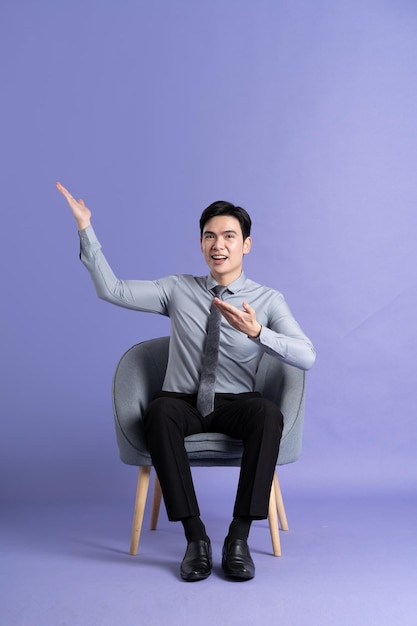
x: 80, y: 212
x: 140, y: 295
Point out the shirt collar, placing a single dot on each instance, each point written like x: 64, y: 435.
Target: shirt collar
x: 234, y: 287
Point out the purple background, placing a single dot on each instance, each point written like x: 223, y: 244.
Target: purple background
x: 306, y: 115
x: 303, y: 112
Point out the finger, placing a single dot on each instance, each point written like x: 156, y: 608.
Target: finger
x: 60, y: 187
x: 81, y: 201
x: 64, y: 191
x: 225, y: 306
x: 247, y: 308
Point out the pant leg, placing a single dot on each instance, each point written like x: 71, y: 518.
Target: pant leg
x: 168, y: 420
x: 258, y: 422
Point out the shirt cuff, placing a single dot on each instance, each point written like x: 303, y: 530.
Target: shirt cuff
x: 258, y: 338
x: 87, y: 235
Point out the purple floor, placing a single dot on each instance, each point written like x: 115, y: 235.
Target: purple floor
x: 346, y: 561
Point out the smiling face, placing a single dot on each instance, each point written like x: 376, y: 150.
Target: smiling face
x: 223, y: 247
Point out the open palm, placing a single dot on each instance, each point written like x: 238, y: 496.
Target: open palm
x: 81, y: 213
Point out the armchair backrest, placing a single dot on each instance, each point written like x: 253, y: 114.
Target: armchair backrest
x: 140, y: 373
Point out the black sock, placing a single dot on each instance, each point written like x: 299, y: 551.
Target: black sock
x: 194, y: 529
x: 239, y: 528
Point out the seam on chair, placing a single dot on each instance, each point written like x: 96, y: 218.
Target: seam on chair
x: 300, y: 404
x: 115, y: 412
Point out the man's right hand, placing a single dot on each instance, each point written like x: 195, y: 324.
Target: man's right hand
x: 81, y: 213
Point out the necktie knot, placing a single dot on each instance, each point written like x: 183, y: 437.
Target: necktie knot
x: 218, y: 290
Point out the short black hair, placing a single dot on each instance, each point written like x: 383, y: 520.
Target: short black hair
x: 221, y: 207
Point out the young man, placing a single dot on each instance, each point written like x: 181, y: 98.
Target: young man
x: 253, y: 319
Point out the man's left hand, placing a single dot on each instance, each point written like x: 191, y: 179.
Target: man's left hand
x: 243, y: 320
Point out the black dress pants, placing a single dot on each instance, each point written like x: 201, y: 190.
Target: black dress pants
x: 249, y: 417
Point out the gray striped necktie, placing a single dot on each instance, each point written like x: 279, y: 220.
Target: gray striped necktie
x: 205, y: 396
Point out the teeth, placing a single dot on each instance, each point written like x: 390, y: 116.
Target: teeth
x: 218, y: 257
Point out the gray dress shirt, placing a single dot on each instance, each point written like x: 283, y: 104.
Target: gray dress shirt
x: 186, y: 300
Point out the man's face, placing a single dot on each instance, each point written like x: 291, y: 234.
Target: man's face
x: 223, y: 247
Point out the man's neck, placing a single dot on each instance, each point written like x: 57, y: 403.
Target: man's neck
x: 226, y: 279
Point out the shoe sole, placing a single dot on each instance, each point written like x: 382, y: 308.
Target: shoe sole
x: 193, y: 578
x: 242, y: 577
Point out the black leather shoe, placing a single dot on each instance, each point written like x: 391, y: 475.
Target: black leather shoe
x: 236, y: 561
x: 197, y: 561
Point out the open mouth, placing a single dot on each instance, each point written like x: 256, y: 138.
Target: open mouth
x: 218, y: 257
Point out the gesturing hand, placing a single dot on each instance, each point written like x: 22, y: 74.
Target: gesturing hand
x: 79, y: 210
x: 243, y: 320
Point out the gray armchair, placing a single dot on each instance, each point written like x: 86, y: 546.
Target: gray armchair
x: 140, y: 373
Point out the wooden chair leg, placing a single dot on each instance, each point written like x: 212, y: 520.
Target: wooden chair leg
x: 280, y: 503
x: 141, y: 494
x: 273, y: 523
x: 156, y: 503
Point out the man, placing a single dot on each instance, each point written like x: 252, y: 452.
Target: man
x: 254, y: 319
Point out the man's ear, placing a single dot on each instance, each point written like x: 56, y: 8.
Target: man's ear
x: 247, y: 244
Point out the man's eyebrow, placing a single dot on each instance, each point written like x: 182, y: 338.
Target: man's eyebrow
x: 210, y: 232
